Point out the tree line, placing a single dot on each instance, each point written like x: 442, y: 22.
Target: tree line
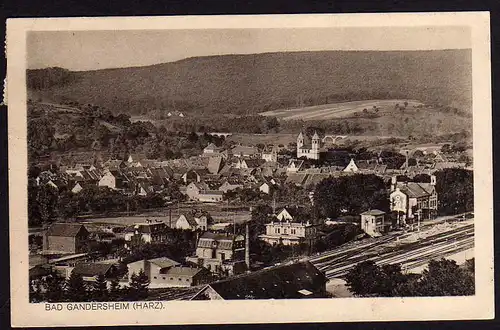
x: 441, y: 278
x: 55, y: 288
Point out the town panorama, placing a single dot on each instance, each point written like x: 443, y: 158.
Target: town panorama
x: 281, y: 175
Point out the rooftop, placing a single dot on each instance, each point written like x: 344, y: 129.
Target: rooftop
x: 280, y: 282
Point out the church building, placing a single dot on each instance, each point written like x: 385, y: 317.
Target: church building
x: 308, y: 148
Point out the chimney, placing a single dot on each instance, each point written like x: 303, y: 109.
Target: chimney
x: 247, y: 247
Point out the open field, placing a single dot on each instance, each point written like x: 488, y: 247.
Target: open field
x: 215, y: 210
x: 338, y: 110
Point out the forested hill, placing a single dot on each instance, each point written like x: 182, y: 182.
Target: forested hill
x: 249, y: 84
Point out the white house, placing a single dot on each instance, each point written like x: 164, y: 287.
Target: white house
x: 270, y: 156
x: 288, y: 232
x: 373, y: 222
x: 211, y: 149
x: 351, y: 167
x: 189, y: 221
x: 77, y: 188
x: 294, y: 166
x: 265, y: 188
x: 108, y: 180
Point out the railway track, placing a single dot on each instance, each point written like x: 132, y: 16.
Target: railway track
x: 383, y: 251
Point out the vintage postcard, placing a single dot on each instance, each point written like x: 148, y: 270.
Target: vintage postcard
x: 250, y: 169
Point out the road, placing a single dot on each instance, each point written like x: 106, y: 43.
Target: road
x: 395, y: 249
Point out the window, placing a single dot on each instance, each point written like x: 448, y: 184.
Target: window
x: 180, y: 279
x: 155, y: 277
x: 171, y: 278
x: 163, y: 277
x: 187, y: 279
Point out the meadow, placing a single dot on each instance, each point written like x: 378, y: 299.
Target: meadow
x: 339, y: 110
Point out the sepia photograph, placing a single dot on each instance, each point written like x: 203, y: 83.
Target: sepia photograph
x: 169, y: 166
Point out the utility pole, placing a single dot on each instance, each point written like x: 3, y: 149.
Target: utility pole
x: 247, y: 246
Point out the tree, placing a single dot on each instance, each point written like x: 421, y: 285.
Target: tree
x: 114, y: 289
x: 422, y: 177
x: 35, y: 291
x: 445, y: 278
x: 442, y: 278
x: 455, y: 189
x: 76, y: 289
x: 54, y: 284
x: 100, y: 289
x: 351, y: 195
x: 139, y: 286
x: 364, y: 278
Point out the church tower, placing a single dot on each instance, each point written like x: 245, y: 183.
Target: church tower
x: 300, y: 144
x: 315, y: 146
x: 300, y: 140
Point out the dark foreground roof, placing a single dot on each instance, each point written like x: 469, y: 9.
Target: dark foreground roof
x: 293, y: 281
x: 65, y: 229
x: 93, y: 269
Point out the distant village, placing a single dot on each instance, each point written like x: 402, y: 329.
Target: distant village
x: 219, y: 264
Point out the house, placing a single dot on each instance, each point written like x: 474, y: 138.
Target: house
x: 249, y: 163
x: 164, y: 272
x: 270, y: 155
x: 134, y: 158
x: 66, y: 238
x: 373, y: 222
x: 215, y: 164
x: 298, y: 179
x: 289, y: 214
x: 194, y: 175
x: 114, y: 164
x: 113, y: 179
x: 309, y: 149
x: 143, y: 188
x: 229, y: 186
x: 413, y: 201
x: 193, y: 189
x: 146, y: 232
x: 210, y: 196
x: 90, y: 271
x: 351, y: 167
x: 146, y: 163
x: 294, y: 166
x: 76, y: 188
x: 192, y: 222
x: 244, y: 151
x: 222, y: 254
x: 212, y: 149
x: 265, y: 188
x: 290, y: 281
x: 287, y: 231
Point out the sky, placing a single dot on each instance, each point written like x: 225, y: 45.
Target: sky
x: 93, y: 50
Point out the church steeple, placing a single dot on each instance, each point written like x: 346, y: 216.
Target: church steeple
x: 315, y: 141
x: 300, y: 140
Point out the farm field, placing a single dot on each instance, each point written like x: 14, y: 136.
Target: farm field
x: 215, y: 210
x: 337, y: 110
